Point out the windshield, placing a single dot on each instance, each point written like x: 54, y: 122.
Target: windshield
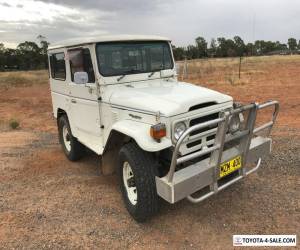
x: 123, y: 58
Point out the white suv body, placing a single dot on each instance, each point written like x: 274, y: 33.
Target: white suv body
x: 119, y: 96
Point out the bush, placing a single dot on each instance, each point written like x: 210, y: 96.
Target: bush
x: 13, y: 124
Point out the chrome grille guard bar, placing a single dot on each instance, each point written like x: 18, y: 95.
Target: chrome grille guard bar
x: 221, y: 138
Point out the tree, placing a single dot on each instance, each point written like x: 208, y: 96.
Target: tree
x: 11, y: 59
x: 226, y: 47
x: 292, y: 43
x: 221, y: 49
x: 27, y: 56
x: 44, y: 47
x: 211, y: 52
x: 192, y: 52
x: 43, y: 44
x: 28, y: 47
x: 179, y: 53
x: 264, y: 47
x: 249, y: 49
x: 240, y: 47
x: 2, y: 57
x: 30, y: 55
x: 202, y: 46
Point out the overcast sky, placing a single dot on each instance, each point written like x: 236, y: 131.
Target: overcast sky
x: 180, y: 20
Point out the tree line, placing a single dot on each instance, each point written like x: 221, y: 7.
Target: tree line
x: 223, y: 47
x: 30, y: 55
x: 27, y: 56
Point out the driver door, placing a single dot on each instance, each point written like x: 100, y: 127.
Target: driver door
x: 85, y: 115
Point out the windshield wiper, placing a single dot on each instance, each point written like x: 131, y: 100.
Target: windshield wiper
x: 121, y: 77
x: 125, y: 73
x: 154, y: 71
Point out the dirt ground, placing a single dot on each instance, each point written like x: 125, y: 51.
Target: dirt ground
x: 47, y: 202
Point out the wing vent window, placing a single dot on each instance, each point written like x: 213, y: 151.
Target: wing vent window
x: 202, y: 105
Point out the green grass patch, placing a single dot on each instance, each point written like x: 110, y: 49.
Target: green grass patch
x: 14, y: 124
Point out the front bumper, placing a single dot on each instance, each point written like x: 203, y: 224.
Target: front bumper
x: 204, y: 175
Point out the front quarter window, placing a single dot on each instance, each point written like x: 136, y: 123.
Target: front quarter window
x: 122, y: 58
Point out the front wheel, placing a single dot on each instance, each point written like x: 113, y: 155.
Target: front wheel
x: 137, y: 170
x: 73, y: 149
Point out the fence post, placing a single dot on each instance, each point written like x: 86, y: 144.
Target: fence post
x: 240, y: 66
x: 185, y: 69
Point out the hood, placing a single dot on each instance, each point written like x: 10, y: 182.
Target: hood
x: 169, y: 98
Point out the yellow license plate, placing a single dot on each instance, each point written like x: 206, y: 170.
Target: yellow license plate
x: 230, y: 166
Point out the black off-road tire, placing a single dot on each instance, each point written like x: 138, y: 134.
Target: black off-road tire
x: 77, y: 149
x: 144, y: 169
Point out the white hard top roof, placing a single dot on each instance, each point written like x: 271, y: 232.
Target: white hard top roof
x: 105, y: 38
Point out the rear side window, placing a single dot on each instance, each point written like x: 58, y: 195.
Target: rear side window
x: 80, y: 61
x: 58, y: 66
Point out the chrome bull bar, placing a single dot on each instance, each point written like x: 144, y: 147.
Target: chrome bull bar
x: 181, y: 184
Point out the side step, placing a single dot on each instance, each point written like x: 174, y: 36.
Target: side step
x: 197, y: 176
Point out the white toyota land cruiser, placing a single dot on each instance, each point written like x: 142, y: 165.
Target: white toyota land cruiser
x: 119, y: 96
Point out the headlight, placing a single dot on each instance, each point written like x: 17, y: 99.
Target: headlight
x: 234, y: 124
x: 179, y: 129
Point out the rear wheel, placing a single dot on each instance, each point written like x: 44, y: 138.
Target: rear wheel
x: 137, y: 170
x: 73, y: 149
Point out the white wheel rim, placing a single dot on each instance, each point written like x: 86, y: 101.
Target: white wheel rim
x: 128, y: 180
x: 66, y: 137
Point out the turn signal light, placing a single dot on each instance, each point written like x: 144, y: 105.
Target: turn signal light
x: 158, y: 131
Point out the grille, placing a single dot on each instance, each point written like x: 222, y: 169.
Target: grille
x: 195, y: 140
x: 202, y: 119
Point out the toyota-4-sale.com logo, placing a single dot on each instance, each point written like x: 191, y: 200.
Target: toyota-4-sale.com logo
x: 264, y: 240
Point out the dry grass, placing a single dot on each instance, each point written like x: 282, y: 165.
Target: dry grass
x: 226, y: 70
x: 17, y: 79
x: 23, y: 78
x: 262, y: 78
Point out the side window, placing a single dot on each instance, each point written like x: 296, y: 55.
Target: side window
x: 80, y: 60
x: 58, y: 66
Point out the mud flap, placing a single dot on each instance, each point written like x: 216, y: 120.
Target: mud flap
x: 109, y: 162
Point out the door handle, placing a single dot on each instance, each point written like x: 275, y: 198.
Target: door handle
x: 73, y: 101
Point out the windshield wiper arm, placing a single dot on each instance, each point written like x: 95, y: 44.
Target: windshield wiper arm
x: 121, y: 77
x: 154, y: 71
x: 131, y: 71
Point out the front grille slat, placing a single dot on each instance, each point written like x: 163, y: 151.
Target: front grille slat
x: 202, y: 119
x: 194, y: 143
x: 201, y: 137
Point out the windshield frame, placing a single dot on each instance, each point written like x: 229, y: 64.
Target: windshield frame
x: 134, y: 42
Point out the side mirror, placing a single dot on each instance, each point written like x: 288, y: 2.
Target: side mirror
x: 81, y: 78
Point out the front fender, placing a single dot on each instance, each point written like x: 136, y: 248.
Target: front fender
x: 140, y: 132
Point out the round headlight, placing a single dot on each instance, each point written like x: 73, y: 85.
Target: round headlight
x: 179, y: 129
x: 234, y: 124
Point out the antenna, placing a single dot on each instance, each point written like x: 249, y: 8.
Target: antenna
x: 253, y: 30
x: 253, y: 27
